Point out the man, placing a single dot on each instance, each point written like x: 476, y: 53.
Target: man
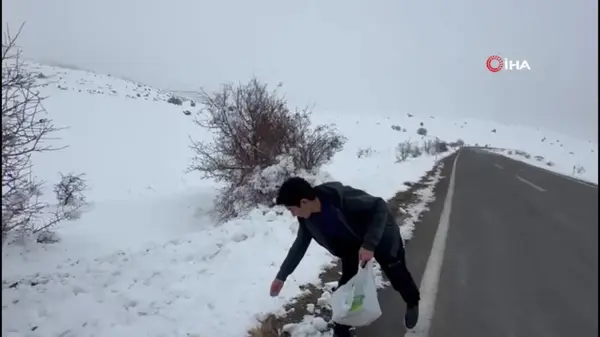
x: 353, y: 226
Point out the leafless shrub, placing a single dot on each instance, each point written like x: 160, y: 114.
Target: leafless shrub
x: 523, y: 154
x: 175, y: 100
x: 69, y: 195
x: 416, y: 152
x: 429, y: 146
x: 407, y: 149
x: 25, y: 128
x: 457, y: 143
x: 578, y: 169
x: 253, y: 128
x: 434, y: 146
x: 366, y: 152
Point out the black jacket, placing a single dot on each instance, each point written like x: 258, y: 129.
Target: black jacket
x: 368, y: 218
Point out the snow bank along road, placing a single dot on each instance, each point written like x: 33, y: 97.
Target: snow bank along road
x: 518, y: 256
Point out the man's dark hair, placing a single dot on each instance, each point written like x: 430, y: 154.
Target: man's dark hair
x: 293, y: 190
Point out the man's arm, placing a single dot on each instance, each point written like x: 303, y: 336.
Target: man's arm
x: 356, y: 200
x: 295, y: 254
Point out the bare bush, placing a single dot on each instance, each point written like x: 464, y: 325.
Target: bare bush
x: 422, y: 131
x: 403, y: 151
x: 25, y: 128
x: 253, y: 129
x: 457, y: 143
x: 578, y: 169
x: 523, y: 154
x: 407, y: 149
x: 429, y: 146
x: 175, y: 100
x: 396, y: 128
x: 441, y: 146
x: 434, y: 146
x: 416, y: 152
x: 366, y: 152
x: 69, y: 196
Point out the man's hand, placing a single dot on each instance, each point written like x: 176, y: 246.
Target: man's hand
x: 364, y: 255
x: 276, y: 286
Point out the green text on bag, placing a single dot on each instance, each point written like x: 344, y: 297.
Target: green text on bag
x: 357, y: 302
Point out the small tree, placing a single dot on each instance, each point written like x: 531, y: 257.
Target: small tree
x: 434, y: 146
x: 404, y: 150
x: 25, y: 128
x: 253, y: 129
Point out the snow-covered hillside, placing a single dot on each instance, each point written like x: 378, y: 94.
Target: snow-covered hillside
x: 147, y: 259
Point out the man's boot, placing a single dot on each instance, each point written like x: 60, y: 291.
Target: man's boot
x: 412, y: 316
x: 342, y: 331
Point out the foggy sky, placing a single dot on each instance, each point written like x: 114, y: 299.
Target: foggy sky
x: 391, y: 56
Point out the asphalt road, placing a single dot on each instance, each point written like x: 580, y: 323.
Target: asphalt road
x: 520, y: 260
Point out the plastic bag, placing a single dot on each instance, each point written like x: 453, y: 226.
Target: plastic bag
x: 355, y: 303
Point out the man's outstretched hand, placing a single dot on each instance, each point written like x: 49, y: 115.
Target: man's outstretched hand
x: 364, y: 255
x: 276, y: 286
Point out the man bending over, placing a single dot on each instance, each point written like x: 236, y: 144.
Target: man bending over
x: 352, y: 225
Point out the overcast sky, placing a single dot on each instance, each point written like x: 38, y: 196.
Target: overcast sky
x: 377, y: 55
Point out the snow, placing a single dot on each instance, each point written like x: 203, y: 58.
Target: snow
x: 192, y: 285
x: 564, y: 167
x: 147, y: 259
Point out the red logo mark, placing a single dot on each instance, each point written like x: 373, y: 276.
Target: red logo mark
x: 499, y: 63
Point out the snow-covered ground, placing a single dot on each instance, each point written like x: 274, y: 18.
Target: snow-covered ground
x: 577, y: 171
x: 147, y: 259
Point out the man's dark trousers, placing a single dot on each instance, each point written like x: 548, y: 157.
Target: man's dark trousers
x: 394, y: 268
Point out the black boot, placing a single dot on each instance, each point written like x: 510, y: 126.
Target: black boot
x: 411, y: 317
x: 341, y: 331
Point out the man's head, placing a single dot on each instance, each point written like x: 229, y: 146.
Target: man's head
x: 299, y: 197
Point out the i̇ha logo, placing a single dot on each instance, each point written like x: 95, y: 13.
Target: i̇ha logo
x: 495, y: 63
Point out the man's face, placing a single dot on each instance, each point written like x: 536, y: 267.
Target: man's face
x: 302, y: 211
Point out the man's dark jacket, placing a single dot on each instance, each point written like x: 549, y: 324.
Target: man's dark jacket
x: 367, y: 218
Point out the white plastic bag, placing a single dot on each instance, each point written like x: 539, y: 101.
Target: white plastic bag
x: 355, y: 303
